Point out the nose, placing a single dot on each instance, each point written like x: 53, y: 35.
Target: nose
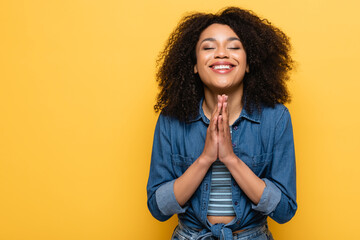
x: 221, y: 52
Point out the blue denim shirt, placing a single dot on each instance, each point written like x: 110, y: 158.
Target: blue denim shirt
x: 263, y: 140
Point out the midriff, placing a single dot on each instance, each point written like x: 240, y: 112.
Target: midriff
x: 220, y: 219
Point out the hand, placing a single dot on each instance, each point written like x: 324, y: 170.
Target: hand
x: 210, y: 152
x: 218, y: 143
x: 225, y: 150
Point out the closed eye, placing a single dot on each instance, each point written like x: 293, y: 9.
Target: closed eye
x: 207, y: 48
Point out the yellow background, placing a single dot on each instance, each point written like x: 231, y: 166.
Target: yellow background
x: 77, y: 91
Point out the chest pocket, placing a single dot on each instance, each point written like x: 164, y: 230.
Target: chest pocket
x: 180, y: 163
x: 259, y: 164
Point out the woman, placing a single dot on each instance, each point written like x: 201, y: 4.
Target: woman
x: 223, y: 153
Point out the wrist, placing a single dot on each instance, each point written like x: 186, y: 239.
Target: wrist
x: 205, y: 161
x: 231, y: 160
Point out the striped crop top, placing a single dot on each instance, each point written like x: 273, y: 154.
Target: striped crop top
x: 220, y: 202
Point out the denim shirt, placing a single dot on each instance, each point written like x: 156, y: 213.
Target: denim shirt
x: 262, y: 140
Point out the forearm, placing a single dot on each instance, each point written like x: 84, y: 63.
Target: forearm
x: 249, y: 183
x: 186, y: 184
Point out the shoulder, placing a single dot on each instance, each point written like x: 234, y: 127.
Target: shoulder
x: 276, y: 117
x: 275, y: 113
x: 173, y: 121
x: 279, y: 120
x: 166, y: 122
x: 277, y: 109
x: 166, y: 119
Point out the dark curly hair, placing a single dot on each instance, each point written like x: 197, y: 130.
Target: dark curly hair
x: 267, y: 49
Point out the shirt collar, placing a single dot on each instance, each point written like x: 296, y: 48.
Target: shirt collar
x: 254, y: 116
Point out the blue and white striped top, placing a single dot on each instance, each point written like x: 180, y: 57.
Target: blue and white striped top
x: 220, y: 202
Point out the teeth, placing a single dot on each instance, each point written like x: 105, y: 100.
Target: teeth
x: 222, y: 67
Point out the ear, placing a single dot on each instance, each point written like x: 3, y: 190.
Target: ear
x: 195, y: 69
x: 247, y: 70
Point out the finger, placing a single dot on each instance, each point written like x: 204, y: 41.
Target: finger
x: 214, y: 118
x: 219, y: 98
x: 213, y: 124
x: 223, y: 98
x: 225, y: 112
x: 225, y: 116
x: 218, y: 109
x: 219, y: 103
x: 223, y: 108
x: 221, y: 126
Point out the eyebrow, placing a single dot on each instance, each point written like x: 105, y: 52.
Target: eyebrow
x: 214, y: 40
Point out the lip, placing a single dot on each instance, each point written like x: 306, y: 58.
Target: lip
x: 224, y: 70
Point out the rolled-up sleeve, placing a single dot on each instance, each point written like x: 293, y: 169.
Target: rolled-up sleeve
x: 269, y: 199
x: 166, y: 201
x: 279, y: 196
x: 161, y: 201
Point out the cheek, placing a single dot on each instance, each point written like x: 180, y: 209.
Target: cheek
x: 200, y: 65
x: 203, y: 57
x: 198, y: 60
x: 241, y: 57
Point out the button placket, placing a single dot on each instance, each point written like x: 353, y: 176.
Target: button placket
x: 231, y: 133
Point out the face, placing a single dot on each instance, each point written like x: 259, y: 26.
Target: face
x: 221, y: 58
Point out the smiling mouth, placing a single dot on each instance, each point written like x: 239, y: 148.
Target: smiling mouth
x: 221, y: 67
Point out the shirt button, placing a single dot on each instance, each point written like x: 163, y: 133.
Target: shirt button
x: 235, y: 128
x: 236, y: 202
x: 233, y: 144
x: 238, y: 222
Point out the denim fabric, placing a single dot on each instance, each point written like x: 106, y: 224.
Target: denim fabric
x: 182, y: 232
x: 263, y: 140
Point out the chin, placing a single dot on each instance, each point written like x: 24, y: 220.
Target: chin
x: 221, y: 88
x: 228, y: 87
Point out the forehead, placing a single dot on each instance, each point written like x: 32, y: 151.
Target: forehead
x: 218, y: 32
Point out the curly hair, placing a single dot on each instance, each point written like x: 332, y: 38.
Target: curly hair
x: 267, y: 49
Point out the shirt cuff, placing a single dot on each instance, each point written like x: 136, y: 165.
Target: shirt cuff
x: 166, y: 201
x: 269, y: 199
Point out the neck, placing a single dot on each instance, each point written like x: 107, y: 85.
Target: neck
x: 234, y: 102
